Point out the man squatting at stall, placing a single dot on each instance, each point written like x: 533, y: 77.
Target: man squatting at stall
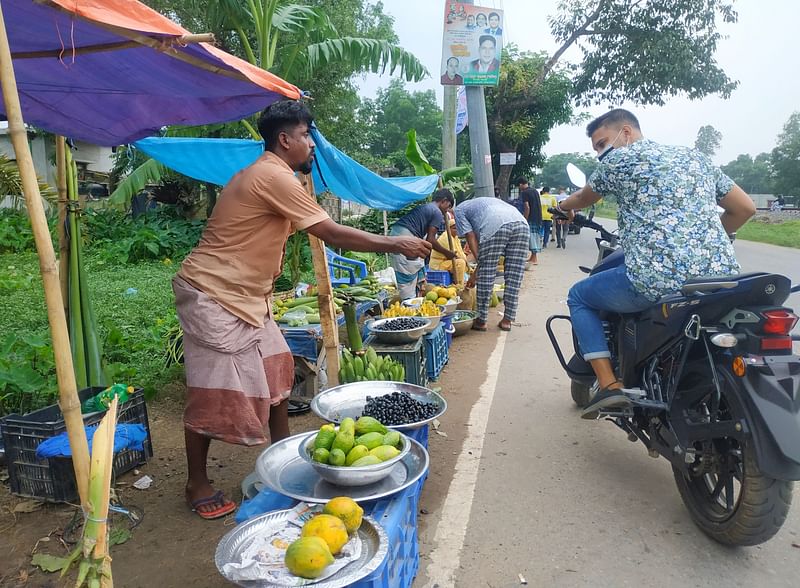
x: 239, y: 370
x: 424, y: 222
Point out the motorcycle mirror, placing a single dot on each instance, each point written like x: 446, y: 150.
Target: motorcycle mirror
x: 576, y: 176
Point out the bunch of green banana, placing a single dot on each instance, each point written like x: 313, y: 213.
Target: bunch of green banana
x: 369, y: 366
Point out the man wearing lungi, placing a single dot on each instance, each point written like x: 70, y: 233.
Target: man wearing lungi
x: 239, y: 370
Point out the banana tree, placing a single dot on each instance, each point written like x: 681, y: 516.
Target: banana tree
x: 295, y: 41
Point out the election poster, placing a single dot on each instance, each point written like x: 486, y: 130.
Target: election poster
x: 472, y: 44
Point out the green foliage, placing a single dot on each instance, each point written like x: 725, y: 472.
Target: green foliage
x: 522, y: 110
x: 786, y: 158
x: 708, y: 140
x: 416, y: 157
x: 27, y: 373
x: 15, y: 231
x: 150, y: 172
x: 131, y: 325
x: 372, y: 222
x: 753, y: 175
x: 554, y: 170
x: 644, y: 52
x: 11, y: 184
x: 388, y: 118
x: 156, y: 235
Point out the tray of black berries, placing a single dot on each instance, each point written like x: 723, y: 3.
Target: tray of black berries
x: 399, y: 330
x: 397, y: 405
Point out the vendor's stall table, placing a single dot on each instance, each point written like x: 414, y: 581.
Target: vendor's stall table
x: 397, y: 515
x: 305, y: 342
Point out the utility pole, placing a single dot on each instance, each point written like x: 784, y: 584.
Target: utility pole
x: 479, y: 139
x: 449, y: 127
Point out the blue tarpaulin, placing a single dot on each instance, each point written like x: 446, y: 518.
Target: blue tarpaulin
x: 217, y: 160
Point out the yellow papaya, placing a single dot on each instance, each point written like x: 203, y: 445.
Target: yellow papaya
x: 367, y: 460
x: 385, y: 452
x: 356, y: 453
x: 308, y: 557
x: 347, y: 510
x: 329, y: 528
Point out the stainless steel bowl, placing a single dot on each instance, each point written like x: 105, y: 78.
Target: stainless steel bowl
x: 462, y: 321
x: 398, y: 337
x: 348, y: 400
x: 352, y: 476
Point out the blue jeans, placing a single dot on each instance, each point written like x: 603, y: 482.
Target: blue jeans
x: 610, y: 290
x: 547, y: 225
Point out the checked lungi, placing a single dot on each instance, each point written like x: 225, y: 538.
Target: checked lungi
x: 511, y: 240
x: 234, y: 371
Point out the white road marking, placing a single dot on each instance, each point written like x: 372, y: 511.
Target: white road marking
x: 452, y: 528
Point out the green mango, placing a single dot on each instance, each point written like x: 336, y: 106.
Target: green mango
x: 367, y: 460
x: 392, y: 438
x: 343, y: 441
x: 325, y: 437
x: 367, y: 424
x: 321, y: 455
x: 355, y: 454
x: 337, y: 458
x: 370, y: 440
x: 348, y: 425
x: 385, y: 452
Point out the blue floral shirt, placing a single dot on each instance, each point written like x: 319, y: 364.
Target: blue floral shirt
x: 669, y: 224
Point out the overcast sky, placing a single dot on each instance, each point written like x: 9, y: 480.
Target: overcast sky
x: 760, y: 52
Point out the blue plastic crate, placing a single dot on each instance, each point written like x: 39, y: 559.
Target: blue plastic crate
x: 436, y: 353
x: 449, y: 329
x: 438, y: 277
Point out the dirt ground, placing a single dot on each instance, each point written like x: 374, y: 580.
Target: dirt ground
x: 172, y: 546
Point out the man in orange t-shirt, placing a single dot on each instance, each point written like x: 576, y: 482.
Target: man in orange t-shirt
x: 239, y: 370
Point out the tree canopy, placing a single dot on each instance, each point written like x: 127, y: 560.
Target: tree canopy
x: 752, y: 174
x: 708, y: 140
x: 786, y: 158
x: 554, y: 170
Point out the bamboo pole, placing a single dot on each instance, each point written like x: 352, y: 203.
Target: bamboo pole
x: 68, y: 392
x: 327, y: 312
x: 63, y: 241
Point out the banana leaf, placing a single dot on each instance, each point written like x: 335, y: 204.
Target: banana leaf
x: 416, y: 157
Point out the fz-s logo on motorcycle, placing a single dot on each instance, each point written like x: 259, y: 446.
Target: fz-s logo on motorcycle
x: 770, y: 289
x: 665, y: 308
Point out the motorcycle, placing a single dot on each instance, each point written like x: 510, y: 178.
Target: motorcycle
x: 719, y: 389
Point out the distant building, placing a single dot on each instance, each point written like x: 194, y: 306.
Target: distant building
x: 94, y: 162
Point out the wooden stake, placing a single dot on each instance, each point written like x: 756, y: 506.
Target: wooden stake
x: 68, y: 393
x: 327, y: 311
x: 63, y: 241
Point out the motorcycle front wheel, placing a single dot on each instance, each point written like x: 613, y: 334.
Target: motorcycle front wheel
x: 726, y: 494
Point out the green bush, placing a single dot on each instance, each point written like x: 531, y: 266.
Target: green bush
x: 27, y: 373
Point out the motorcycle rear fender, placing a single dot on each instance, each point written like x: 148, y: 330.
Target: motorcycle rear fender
x: 772, y: 399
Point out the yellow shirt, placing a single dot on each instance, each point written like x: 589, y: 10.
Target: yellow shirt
x: 241, y: 251
x: 548, y: 201
x: 438, y: 260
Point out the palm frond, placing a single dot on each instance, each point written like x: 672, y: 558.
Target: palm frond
x: 296, y: 18
x: 11, y: 184
x: 374, y: 55
x: 150, y: 172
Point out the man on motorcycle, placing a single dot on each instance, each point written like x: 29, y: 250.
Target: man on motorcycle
x: 669, y: 229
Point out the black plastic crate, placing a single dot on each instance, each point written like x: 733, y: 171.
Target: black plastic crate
x: 53, y: 480
x: 411, y: 356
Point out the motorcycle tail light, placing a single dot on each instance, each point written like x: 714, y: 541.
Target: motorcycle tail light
x: 776, y: 343
x: 779, y: 322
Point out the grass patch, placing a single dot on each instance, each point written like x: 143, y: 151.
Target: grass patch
x: 786, y: 234
x: 130, y: 323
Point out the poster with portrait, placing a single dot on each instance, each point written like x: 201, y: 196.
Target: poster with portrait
x: 472, y: 44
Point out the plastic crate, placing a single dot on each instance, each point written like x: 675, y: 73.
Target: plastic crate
x: 53, y: 480
x: 447, y: 324
x: 411, y: 356
x: 438, y: 277
x: 436, y: 354
x: 398, y: 516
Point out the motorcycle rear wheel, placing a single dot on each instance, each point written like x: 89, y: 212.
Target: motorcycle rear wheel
x: 732, y: 501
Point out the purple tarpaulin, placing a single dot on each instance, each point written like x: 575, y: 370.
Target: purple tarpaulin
x: 117, y: 96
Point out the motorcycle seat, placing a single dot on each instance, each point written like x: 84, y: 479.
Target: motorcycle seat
x: 714, y: 283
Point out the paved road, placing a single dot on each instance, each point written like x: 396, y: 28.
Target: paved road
x: 566, y: 502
